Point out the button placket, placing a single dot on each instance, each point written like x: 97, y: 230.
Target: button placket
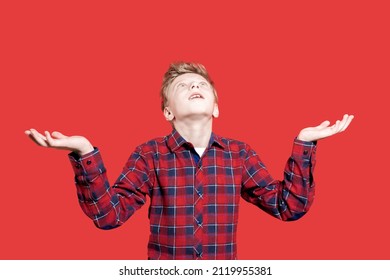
x: 198, y: 213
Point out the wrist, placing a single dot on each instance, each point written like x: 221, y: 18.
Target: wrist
x: 85, y: 149
x: 302, y: 137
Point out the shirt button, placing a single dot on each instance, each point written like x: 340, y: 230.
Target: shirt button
x: 89, y: 162
x: 78, y: 166
x: 305, y: 152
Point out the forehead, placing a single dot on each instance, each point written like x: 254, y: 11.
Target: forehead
x: 188, y: 77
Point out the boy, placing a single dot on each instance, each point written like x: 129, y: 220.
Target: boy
x: 193, y: 177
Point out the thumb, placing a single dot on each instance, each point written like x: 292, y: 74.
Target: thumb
x: 58, y: 135
x: 324, y: 124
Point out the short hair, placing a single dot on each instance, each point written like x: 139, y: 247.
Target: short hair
x: 179, y: 68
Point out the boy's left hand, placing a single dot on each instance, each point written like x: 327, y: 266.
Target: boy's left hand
x: 324, y: 130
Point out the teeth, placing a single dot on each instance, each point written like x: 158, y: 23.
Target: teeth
x: 195, y: 96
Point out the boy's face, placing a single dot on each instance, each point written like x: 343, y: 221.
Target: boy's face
x: 190, y: 96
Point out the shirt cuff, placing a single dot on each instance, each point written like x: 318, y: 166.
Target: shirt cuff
x: 304, y: 149
x: 88, y: 165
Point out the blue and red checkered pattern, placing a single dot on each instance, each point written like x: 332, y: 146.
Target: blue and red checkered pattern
x: 194, y: 201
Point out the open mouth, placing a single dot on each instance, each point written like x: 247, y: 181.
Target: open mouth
x: 195, y: 96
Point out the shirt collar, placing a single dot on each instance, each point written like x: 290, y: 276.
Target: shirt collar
x: 175, y: 141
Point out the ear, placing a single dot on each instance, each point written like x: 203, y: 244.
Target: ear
x: 216, y: 111
x: 168, y: 114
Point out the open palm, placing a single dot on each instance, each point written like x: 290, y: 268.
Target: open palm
x: 324, y: 130
x: 60, y: 141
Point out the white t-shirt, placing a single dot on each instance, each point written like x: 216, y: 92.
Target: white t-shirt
x: 200, y: 151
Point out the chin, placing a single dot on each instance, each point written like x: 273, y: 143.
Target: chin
x: 199, y: 115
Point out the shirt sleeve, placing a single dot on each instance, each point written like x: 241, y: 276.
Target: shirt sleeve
x: 107, y: 206
x: 289, y: 199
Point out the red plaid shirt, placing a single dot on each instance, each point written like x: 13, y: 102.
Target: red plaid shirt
x: 194, y: 201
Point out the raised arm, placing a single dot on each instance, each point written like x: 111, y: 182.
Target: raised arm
x: 108, y: 207
x: 292, y: 197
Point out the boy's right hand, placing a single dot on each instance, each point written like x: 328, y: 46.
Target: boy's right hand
x: 57, y: 140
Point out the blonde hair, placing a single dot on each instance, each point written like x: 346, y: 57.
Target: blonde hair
x: 179, y: 68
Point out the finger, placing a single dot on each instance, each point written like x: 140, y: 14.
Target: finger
x: 323, y: 125
x: 326, y: 130
x: 38, y: 138
x: 51, y: 142
x: 36, y: 133
x: 335, y: 127
x: 348, y: 121
x: 343, y: 122
x: 58, y: 135
x: 28, y: 132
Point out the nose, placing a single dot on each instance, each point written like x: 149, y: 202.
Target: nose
x: 194, y: 85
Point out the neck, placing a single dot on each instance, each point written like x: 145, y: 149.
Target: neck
x: 197, y: 133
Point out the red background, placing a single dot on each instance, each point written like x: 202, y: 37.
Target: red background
x: 95, y: 68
